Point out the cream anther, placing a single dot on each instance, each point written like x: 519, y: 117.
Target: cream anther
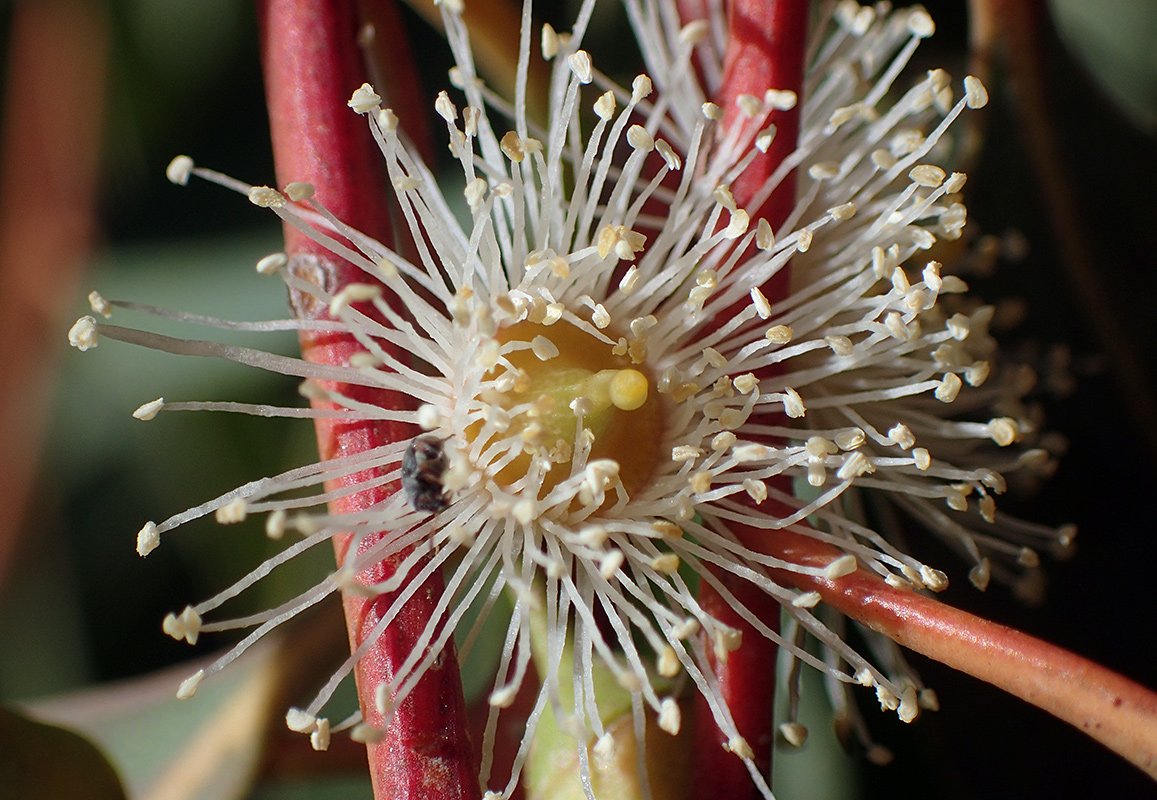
x: 147, y: 539
x: 299, y: 190
x: 445, y: 107
x: 928, y: 175
x: 779, y: 334
x: 909, y: 706
x: 366, y: 734
x: 888, y: 701
x: 976, y: 96
x: 934, y: 579
x: 471, y: 116
x: 793, y: 404
x: 188, y: 687
x: 793, y: 733
x: 902, y: 436
x: 840, y: 345
x: 1003, y: 430
x: 855, y: 464
x: 842, y: 115
x: 502, y: 697
x: 580, y: 65
x: 780, y: 99
x: 364, y: 99
x: 883, y: 159
x: 686, y: 629
x: 949, y: 388
x: 739, y: 746
x: 670, y: 157
x: 543, y: 348
x: 849, y: 438
x: 640, y: 138
x: 234, y: 511
x: 738, y: 224
x: 896, y: 327
x: 623, y: 242
x: 844, y: 565
x: 387, y: 120
x: 630, y: 681
x: 270, y: 264
x: 266, y: 197
x: 319, y: 739
x: 764, y: 238
x: 514, y: 146
x: 823, y: 171
x: 700, y: 482
x: 187, y: 626
x: 149, y: 410
x: 842, y: 212
x: 955, y: 182
x: 179, y: 170
x: 82, y: 335
x: 667, y: 564
x: 99, y: 305
x: 666, y: 529
x: 603, y: 751
x: 746, y: 383
x: 365, y: 359
x: 806, y: 600
x: 275, y: 524
x: 640, y: 88
x: 921, y: 24
x: 723, y: 440
x: 670, y: 718
x: 549, y: 42
x: 987, y: 506
x: 299, y: 721
x: 353, y: 293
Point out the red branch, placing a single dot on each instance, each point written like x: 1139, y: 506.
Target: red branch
x: 765, y: 50
x: 1112, y: 709
x: 312, y: 67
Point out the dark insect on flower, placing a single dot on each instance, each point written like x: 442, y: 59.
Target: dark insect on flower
x: 422, y: 468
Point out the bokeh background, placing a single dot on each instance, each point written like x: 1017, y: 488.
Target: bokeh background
x: 99, y: 96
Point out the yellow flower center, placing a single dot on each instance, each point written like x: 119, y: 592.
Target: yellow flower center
x: 578, y: 374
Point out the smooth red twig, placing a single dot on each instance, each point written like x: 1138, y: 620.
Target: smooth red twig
x: 312, y: 66
x: 1112, y: 709
x: 765, y: 50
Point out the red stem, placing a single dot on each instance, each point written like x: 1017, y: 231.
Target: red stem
x: 1112, y: 709
x: 765, y: 50
x: 312, y: 66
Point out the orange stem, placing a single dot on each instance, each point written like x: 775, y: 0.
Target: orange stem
x: 1117, y: 712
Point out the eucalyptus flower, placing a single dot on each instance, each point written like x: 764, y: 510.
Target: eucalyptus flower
x: 610, y: 407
